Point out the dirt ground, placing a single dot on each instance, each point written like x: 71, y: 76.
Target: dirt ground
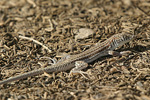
x: 55, y: 24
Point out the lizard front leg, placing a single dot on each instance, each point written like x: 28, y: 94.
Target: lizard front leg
x: 115, y: 53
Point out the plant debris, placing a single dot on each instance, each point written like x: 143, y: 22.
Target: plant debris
x: 35, y: 29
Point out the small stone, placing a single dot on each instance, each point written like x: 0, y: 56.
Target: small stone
x: 83, y: 33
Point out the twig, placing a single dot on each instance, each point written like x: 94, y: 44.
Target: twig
x: 51, y: 25
x: 37, y: 42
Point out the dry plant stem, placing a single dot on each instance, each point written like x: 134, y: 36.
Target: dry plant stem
x: 50, y: 22
x: 37, y: 42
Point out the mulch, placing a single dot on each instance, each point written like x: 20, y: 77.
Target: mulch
x: 33, y: 31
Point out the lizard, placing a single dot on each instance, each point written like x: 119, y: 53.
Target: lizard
x: 81, y: 60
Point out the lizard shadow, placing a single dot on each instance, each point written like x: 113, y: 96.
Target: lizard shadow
x: 135, y: 49
x: 138, y: 48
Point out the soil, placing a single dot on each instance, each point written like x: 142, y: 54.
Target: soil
x: 34, y: 31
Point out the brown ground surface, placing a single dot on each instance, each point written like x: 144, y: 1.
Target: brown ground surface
x: 52, y: 22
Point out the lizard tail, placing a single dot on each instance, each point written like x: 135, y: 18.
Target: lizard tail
x: 25, y: 75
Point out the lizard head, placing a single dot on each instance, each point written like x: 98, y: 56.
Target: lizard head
x: 121, y: 39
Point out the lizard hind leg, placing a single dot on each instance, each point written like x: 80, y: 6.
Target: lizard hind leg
x: 79, y: 65
x: 51, y: 61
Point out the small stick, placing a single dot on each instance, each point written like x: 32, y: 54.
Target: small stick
x: 50, y: 22
x: 37, y: 42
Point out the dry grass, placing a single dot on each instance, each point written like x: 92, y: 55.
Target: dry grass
x: 51, y: 24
